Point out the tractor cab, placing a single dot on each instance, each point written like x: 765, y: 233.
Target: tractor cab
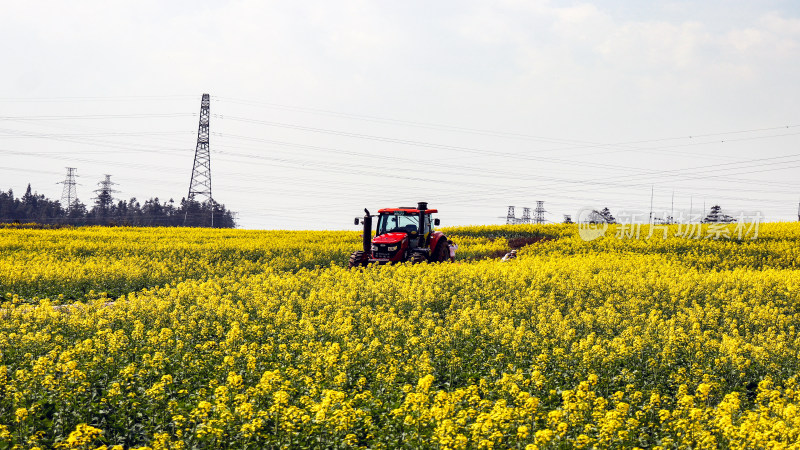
x: 397, y: 221
x: 401, y: 234
x: 404, y: 220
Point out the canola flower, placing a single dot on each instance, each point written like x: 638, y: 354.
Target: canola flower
x: 70, y: 264
x: 612, y: 343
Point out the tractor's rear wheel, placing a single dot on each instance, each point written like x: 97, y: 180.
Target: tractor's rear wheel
x: 417, y: 258
x: 357, y: 259
x: 442, y: 252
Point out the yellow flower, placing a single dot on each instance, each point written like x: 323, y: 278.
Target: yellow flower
x: 544, y: 436
x: 83, y: 435
x: 234, y: 336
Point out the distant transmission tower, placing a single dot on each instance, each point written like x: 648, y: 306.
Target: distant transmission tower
x: 104, y: 198
x: 105, y: 186
x: 526, y: 215
x: 511, y: 216
x: 201, y: 171
x: 538, y: 213
x: 69, y: 195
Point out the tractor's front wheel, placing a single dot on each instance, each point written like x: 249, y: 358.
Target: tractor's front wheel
x: 417, y: 258
x: 357, y: 259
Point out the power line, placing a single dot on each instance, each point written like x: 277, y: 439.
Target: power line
x: 513, y: 156
x: 92, y: 99
x: 494, y: 132
x: 301, y: 162
x: 96, y: 116
x: 385, y: 120
x: 635, y: 176
x: 716, y: 133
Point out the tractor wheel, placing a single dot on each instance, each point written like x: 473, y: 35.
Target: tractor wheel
x: 357, y: 259
x: 442, y: 252
x: 417, y: 258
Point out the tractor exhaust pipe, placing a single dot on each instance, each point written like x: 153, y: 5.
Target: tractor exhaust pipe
x: 422, y: 206
x: 367, y: 232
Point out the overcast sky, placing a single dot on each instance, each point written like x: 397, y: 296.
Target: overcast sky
x: 320, y: 109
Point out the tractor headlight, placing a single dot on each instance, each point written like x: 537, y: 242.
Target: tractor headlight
x: 374, y: 248
x: 393, y: 248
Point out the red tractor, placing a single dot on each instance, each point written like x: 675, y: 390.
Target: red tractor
x: 402, y: 234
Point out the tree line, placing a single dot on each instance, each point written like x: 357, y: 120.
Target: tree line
x: 36, y: 208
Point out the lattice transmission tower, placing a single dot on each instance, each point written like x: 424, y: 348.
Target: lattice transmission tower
x: 69, y: 195
x: 526, y: 215
x: 104, y: 198
x: 200, y: 184
x: 511, y: 216
x: 538, y: 213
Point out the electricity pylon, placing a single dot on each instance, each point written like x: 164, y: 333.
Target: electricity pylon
x: 538, y: 213
x: 200, y: 183
x: 69, y: 195
x: 510, y: 217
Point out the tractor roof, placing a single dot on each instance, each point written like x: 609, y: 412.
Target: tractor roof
x: 406, y: 210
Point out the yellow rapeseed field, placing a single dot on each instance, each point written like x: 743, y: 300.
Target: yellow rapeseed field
x: 264, y: 339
